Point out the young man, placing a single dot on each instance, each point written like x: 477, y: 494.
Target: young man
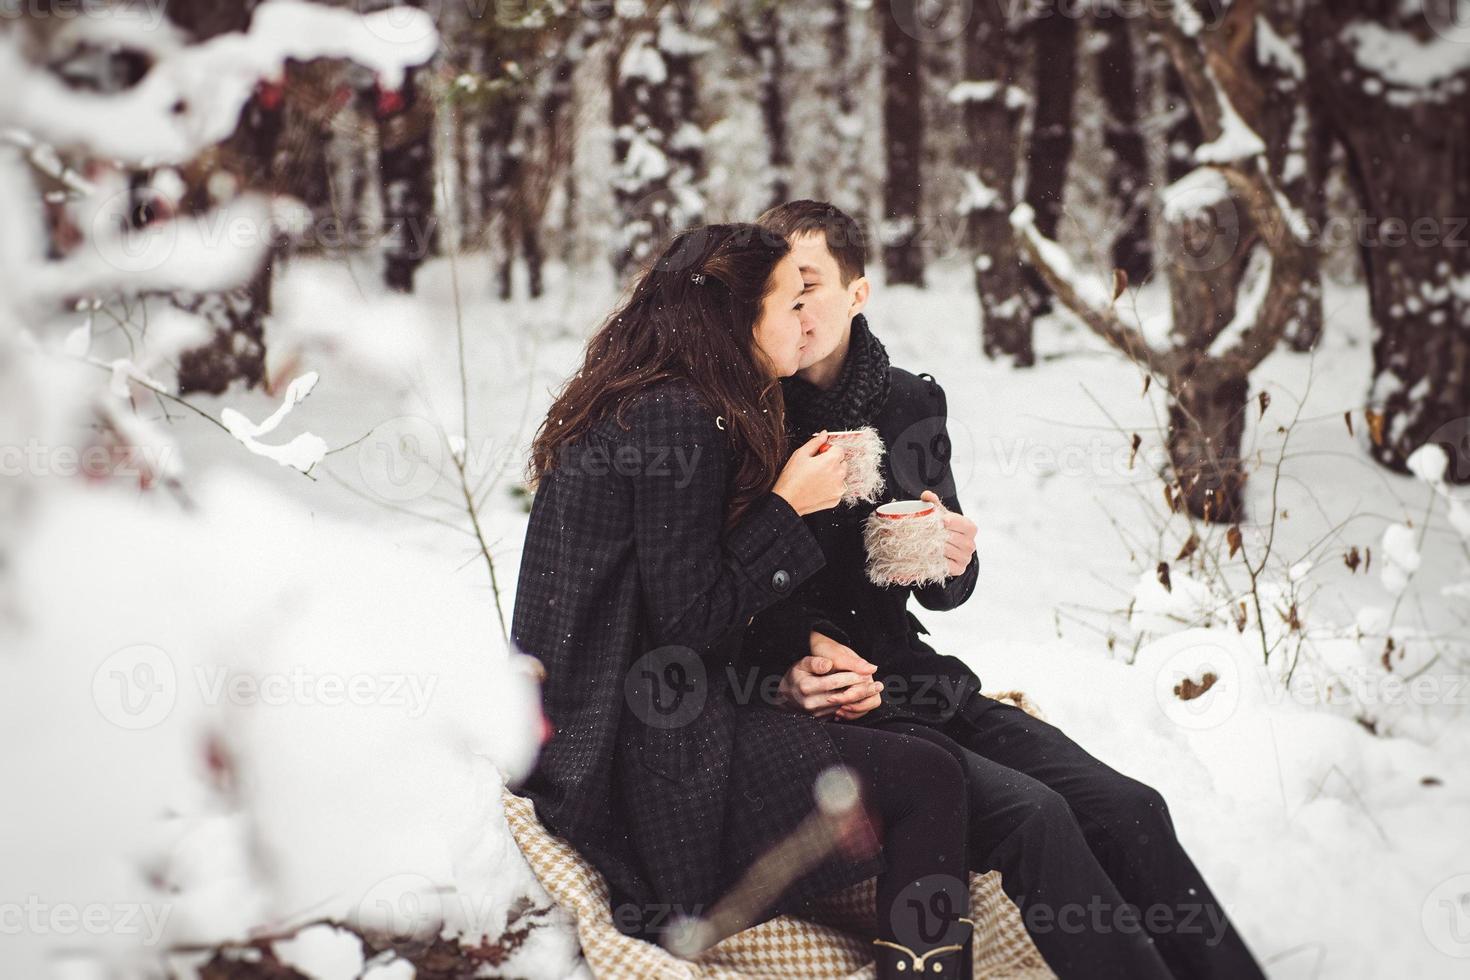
x: 1088, y: 854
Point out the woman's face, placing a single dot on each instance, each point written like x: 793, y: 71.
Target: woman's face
x: 778, y: 334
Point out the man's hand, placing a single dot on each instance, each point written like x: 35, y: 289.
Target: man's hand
x: 959, y: 542
x: 832, y: 681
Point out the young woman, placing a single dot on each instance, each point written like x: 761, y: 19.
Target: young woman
x: 666, y: 516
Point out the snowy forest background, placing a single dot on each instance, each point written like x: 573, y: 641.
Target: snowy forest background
x: 285, y: 288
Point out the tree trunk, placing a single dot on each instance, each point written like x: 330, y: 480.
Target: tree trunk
x: 558, y: 139
x: 1205, y: 368
x: 310, y: 102
x: 658, y: 146
x: 1208, y: 263
x: 759, y: 33
x: 903, y: 139
x: 992, y: 114
x: 1053, y: 89
x: 208, y: 18
x: 1207, y: 412
x: 1289, y: 122
x: 1407, y: 148
x: 1207, y: 397
x: 1128, y: 180
x: 406, y: 164
x: 469, y: 157
x: 506, y: 216
x: 236, y: 351
x: 497, y: 175
x: 1183, y: 132
x: 843, y: 179
x: 1255, y: 55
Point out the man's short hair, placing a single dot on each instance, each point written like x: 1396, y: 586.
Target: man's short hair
x: 844, y: 235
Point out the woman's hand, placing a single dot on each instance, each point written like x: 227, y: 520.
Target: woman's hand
x: 832, y: 681
x: 812, y: 480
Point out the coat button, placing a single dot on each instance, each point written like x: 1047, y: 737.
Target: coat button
x: 781, y: 581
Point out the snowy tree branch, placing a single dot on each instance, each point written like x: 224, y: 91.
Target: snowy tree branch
x: 1088, y: 300
x: 192, y: 96
x: 1237, y: 152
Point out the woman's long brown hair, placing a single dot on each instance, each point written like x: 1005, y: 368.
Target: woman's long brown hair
x: 691, y: 315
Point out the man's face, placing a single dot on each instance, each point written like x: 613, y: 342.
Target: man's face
x: 829, y: 306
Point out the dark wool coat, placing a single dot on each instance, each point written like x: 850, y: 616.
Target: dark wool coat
x: 839, y: 601
x: 636, y: 600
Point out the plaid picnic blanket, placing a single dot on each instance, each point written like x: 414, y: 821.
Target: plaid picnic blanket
x: 834, y: 942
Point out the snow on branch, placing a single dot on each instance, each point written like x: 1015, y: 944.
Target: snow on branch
x: 214, y: 251
x: 978, y: 196
x: 1400, y: 58
x: 1247, y: 312
x: 643, y: 60
x: 192, y: 96
x: 302, y: 452
x: 1273, y: 49
x: 1228, y: 137
x: 986, y: 91
x: 1231, y: 143
x: 1194, y: 193
x: 1237, y: 141
x: 43, y: 157
x: 1087, y: 297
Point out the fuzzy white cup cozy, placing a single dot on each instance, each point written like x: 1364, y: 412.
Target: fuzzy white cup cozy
x: 864, y: 451
x: 905, y: 544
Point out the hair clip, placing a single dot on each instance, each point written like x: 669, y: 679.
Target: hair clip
x: 697, y: 279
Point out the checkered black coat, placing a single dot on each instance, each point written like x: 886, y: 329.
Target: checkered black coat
x: 664, y: 771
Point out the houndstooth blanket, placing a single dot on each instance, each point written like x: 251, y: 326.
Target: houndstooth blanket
x: 833, y: 944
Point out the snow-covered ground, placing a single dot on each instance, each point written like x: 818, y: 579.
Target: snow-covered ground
x: 1340, y: 852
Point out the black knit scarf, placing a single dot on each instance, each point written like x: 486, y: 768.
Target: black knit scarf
x: 853, y: 402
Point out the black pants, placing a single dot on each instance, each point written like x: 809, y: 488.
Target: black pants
x: 1087, y: 854
x: 915, y: 791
